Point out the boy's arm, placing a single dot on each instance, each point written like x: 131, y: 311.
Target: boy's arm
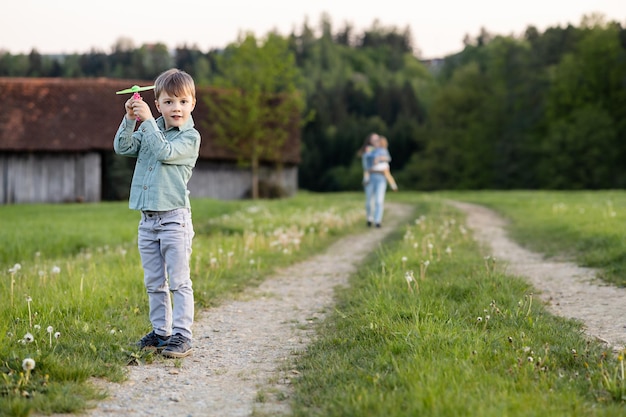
x: 126, y: 142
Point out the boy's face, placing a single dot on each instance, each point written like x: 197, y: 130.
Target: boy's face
x: 176, y: 110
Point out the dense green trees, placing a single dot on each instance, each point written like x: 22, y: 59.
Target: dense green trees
x: 540, y: 110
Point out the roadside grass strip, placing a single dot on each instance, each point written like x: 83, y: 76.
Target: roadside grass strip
x: 430, y: 326
x: 585, y: 226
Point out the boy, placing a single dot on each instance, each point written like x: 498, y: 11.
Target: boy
x: 166, y: 150
x: 381, y: 161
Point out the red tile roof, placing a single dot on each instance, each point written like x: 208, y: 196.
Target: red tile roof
x: 77, y: 115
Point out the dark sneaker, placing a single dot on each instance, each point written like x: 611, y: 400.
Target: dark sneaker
x: 153, y: 341
x: 178, y: 347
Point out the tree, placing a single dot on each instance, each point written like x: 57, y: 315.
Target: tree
x: 258, y: 100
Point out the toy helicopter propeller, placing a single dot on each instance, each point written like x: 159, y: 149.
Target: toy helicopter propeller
x: 135, y: 89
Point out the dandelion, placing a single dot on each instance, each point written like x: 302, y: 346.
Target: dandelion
x: 37, y: 327
x: 28, y: 338
x: 50, y: 329
x: 30, y: 316
x: 479, y: 319
x: 404, y: 259
x: 530, y: 359
x: 28, y: 364
x: 57, y: 335
x: 56, y: 270
x: 423, y: 268
x: 13, y: 271
x: 408, y: 276
x: 448, y: 250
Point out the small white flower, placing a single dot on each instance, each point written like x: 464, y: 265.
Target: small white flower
x: 56, y: 270
x: 408, y: 275
x: 404, y: 259
x: 530, y: 359
x: 57, y: 335
x: 50, y: 329
x: 479, y: 319
x: 15, y: 268
x: 28, y: 364
x: 28, y: 337
x: 29, y: 299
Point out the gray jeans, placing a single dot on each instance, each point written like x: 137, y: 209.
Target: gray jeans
x: 164, y: 241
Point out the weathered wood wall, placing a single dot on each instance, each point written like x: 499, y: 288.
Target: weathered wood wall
x: 227, y: 181
x: 50, y: 177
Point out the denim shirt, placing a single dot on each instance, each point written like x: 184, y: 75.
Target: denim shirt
x: 165, y: 160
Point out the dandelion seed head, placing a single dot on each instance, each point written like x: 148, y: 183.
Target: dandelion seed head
x: 408, y: 275
x: 50, y: 329
x: 530, y: 359
x: 37, y: 327
x: 404, y: 259
x: 479, y: 319
x: 28, y: 364
x: 56, y: 270
x: 28, y: 338
x: 57, y: 335
x: 29, y: 299
x: 112, y: 331
x: 15, y: 268
x: 510, y: 339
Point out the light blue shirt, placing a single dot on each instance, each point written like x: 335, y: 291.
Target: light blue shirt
x: 165, y: 160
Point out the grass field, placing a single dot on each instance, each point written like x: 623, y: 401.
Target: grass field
x: 428, y: 326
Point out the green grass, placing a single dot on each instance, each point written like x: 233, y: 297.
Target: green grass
x: 467, y: 340
x: 588, y: 227
x: 460, y: 338
x: 79, y: 274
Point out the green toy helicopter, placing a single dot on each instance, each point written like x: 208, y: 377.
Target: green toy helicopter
x: 135, y: 89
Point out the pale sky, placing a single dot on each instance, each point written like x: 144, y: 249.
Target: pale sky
x: 438, y: 26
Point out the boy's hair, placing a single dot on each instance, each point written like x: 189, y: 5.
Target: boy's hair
x: 174, y: 81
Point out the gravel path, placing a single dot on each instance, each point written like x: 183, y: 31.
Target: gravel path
x: 243, y: 349
x: 568, y: 290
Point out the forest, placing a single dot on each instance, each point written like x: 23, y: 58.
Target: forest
x: 539, y: 110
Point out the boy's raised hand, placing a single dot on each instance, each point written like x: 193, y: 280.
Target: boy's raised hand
x: 137, y: 109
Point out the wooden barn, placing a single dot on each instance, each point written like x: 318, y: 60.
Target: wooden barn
x: 56, y: 136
